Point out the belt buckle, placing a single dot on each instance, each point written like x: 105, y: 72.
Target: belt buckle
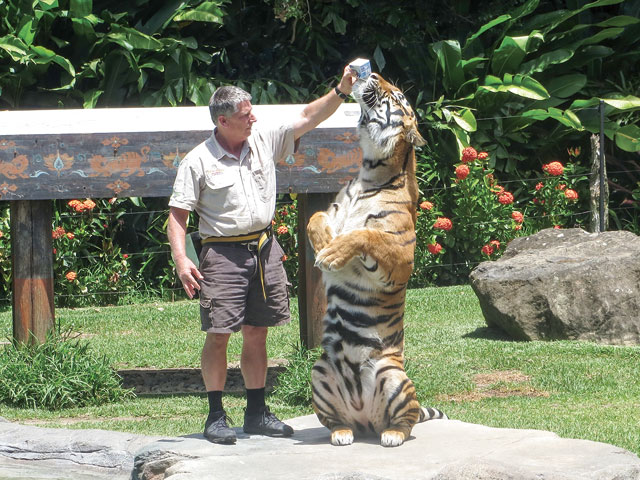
x: 252, y: 246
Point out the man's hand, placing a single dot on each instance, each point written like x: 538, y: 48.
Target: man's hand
x: 189, y: 275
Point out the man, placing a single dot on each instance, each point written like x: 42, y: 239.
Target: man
x: 229, y: 180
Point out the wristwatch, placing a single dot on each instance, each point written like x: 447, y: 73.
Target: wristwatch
x: 343, y: 96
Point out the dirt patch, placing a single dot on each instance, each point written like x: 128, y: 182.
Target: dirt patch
x: 497, y: 384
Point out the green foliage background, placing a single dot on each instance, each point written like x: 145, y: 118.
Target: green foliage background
x: 520, y: 79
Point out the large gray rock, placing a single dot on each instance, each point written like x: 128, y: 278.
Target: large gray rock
x: 564, y: 284
x: 437, y: 450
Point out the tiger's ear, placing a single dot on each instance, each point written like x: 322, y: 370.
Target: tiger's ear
x: 415, y: 138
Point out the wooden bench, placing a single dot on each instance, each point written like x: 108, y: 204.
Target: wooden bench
x: 134, y: 152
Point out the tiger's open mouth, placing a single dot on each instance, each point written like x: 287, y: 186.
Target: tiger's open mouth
x: 367, y: 92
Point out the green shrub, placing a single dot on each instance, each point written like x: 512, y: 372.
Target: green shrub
x: 294, y: 384
x: 60, y: 373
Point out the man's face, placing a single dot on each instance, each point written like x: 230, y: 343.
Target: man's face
x: 239, y: 124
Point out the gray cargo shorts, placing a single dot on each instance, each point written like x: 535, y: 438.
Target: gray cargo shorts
x: 231, y: 292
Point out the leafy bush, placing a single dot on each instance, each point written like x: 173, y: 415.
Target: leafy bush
x: 285, y: 226
x: 294, y: 384
x: 60, y: 373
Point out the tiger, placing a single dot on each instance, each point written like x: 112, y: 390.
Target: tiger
x: 364, y: 245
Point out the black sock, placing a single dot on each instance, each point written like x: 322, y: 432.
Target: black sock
x: 255, y: 400
x: 215, y: 401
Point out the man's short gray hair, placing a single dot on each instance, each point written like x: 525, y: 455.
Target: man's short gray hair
x: 225, y: 101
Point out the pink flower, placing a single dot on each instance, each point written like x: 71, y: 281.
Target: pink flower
x: 434, y: 248
x: 462, y: 171
x: 469, y: 154
x: 539, y: 185
x: 71, y: 276
x: 426, y: 205
x: 443, y: 223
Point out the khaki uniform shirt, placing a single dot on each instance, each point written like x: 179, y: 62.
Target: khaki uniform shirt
x: 232, y: 196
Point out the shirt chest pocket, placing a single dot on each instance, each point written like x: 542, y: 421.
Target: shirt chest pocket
x: 221, y: 186
x: 263, y: 183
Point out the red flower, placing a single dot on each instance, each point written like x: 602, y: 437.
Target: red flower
x: 487, y: 250
x: 88, y: 204
x: 517, y: 216
x: 70, y: 236
x: 469, y: 154
x: 71, y: 276
x: 443, y: 223
x: 571, y: 194
x: 426, y: 205
x: 539, y: 185
x: 1, y: 234
x: 495, y: 243
x: 284, y: 258
x: 125, y: 256
x: 517, y: 227
x: 282, y: 230
x: 557, y: 227
x: 497, y: 189
x: 462, y: 171
x: 434, y: 248
x: 483, y: 155
x: 561, y: 186
x: 553, y: 168
x: 505, y: 198
x: 59, y: 232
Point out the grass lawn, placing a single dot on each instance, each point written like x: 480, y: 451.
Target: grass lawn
x: 473, y: 373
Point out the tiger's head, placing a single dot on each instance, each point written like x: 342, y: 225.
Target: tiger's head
x: 386, y: 118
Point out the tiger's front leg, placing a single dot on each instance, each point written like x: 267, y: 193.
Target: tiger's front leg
x: 319, y: 231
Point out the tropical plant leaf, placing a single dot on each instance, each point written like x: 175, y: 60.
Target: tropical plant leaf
x: 508, y: 57
x: 628, y: 138
x: 566, y: 85
x: 486, y: 27
x: 545, y: 60
x: 465, y: 119
x: 450, y: 57
x: 625, y: 103
x: 619, y: 21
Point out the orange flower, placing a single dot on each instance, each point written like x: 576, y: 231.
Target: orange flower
x: 517, y: 216
x: 434, y: 248
x: 1, y: 234
x: 89, y: 204
x: 505, y: 198
x: 426, y: 205
x: 517, y: 227
x: 70, y: 236
x: 571, y: 194
x: 284, y: 258
x: 469, y: 154
x: 71, y: 276
x: 483, y: 155
x: 557, y: 227
x: 553, y: 168
x: 495, y: 243
x: 443, y: 223
x: 282, y: 230
x: 462, y: 171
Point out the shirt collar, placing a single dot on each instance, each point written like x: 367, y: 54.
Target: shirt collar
x: 219, y: 153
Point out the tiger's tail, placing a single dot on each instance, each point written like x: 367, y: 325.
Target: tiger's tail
x: 428, y: 413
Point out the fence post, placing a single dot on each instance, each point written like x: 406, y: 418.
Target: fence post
x: 312, y: 301
x: 32, y: 266
x: 599, y: 187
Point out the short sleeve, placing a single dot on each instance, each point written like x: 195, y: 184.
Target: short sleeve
x: 186, y: 187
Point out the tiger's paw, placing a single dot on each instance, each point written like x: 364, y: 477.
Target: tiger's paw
x: 330, y: 259
x: 341, y: 436
x: 319, y: 231
x: 392, y: 438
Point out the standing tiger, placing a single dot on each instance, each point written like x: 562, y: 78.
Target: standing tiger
x: 364, y: 245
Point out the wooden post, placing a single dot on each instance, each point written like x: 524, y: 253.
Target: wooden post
x: 32, y: 262
x: 312, y: 301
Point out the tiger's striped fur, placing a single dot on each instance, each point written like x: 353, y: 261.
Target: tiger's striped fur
x: 364, y: 245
